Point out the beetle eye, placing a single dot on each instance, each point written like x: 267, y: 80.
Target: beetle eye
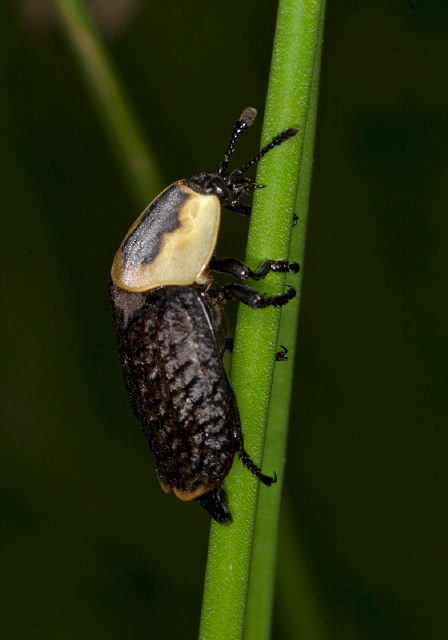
x: 212, y: 186
x: 219, y: 189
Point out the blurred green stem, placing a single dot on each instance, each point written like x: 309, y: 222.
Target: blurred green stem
x: 299, y: 603
x: 296, y: 53
x: 114, y: 111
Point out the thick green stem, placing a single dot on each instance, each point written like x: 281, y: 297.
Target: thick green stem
x: 261, y: 589
x: 109, y: 98
x: 296, y: 50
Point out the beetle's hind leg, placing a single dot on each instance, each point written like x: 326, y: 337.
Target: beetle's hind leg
x: 237, y: 269
x: 252, y: 297
x: 246, y: 460
x: 215, y: 502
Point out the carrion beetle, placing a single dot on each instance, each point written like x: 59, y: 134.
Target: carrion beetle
x: 169, y: 328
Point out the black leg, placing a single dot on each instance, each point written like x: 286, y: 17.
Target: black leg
x: 237, y: 269
x: 252, y: 297
x: 281, y: 356
x: 247, y: 461
x: 228, y: 346
x: 215, y: 502
x: 267, y: 480
x: 295, y: 220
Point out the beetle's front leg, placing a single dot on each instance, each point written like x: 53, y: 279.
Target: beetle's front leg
x: 237, y: 268
x: 252, y: 297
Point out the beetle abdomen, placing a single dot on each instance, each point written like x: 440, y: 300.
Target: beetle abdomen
x: 177, y: 385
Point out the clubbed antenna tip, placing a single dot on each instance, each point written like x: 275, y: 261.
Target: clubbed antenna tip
x: 246, y: 119
x: 290, y: 133
x: 248, y: 116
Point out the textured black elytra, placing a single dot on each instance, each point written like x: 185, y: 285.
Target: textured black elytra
x: 178, y: 391
x: 170, y: 338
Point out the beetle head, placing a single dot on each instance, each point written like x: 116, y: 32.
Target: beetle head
x: 231, y: 187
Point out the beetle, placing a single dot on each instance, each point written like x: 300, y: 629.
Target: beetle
x: 169, y: 327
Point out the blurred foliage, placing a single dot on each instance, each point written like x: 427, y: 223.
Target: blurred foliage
x: 91, y: 547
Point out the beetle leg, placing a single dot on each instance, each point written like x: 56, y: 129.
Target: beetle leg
x: 281, y: 356
x: 254, y: 298
x: 246, y: 460
x: 228, y: 346
x: 242, y: 209
x: 215, y: 501
x: 231, y: 267
x: 237, y: 268
x: 277, y: 266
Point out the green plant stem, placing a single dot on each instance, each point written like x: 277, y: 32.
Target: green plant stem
x: 297, y: 40
x: 114, y: 111
x: 261, y: 585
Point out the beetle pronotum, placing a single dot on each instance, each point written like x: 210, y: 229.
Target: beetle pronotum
x: 168, y: 325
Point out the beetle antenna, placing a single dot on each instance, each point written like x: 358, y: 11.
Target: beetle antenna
x: 282, y: 137
x: 245, y: 120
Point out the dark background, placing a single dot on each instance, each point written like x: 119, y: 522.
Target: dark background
x: 91, y: 547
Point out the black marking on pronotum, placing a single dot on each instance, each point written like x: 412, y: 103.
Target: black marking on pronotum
x: 169, y: 329
x: 143, y: 242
